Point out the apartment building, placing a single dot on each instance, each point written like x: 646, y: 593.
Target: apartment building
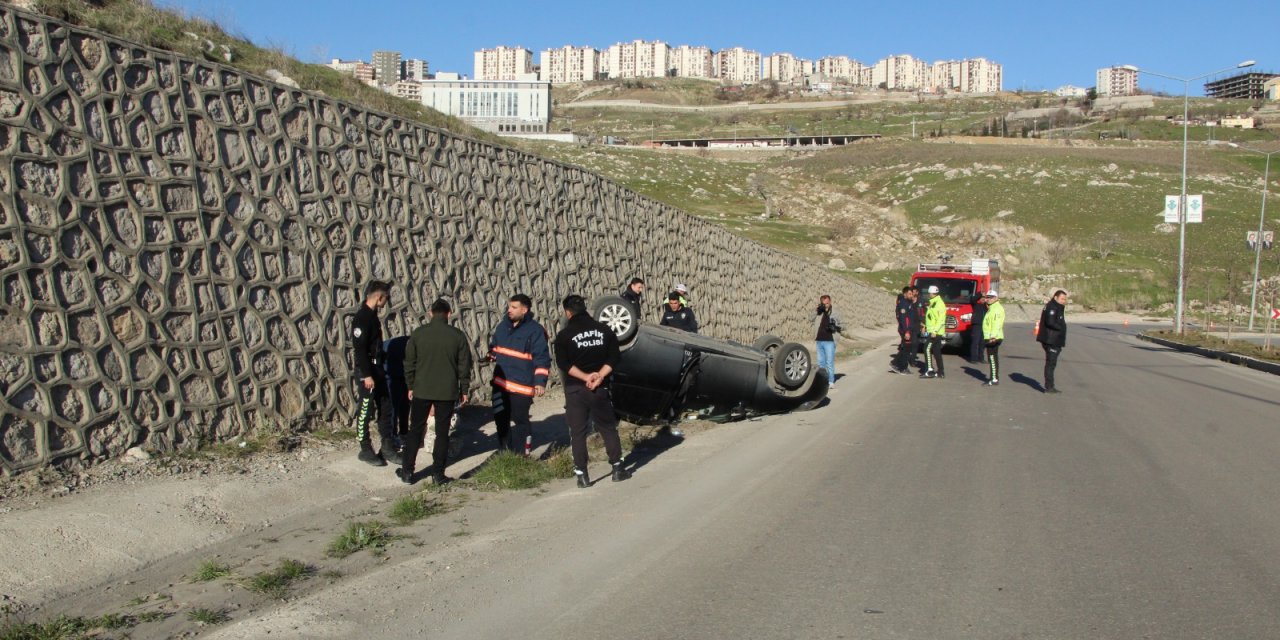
x: 569, y: 64
x: 1117, y: 81
x: 415, y: 70
x: 361, y: 70
x: 1242, y: 86
x: 638, y: 59
x: 979, y: 75
x: 839, y: 68
x: 386, y: 67
x: 503, y: 63
x: 407, y: 89
x: 737, y: 65
x: 502, y: 107
x: 693, y: 62
x: 1071, y: 91
x: 787, y: 69
x: 900, y: 73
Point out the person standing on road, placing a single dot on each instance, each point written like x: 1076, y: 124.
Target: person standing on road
x: 906, y: 313
x: 1053, y: 335
x: 678, y: 316
x: 370, y: 378
x: 993, y: 332
x: 437, y: 369
x: 586, y: 353
x: 518, y: 348
x: 976, y: 339
x: 935, y: 331
x: 828, y: 324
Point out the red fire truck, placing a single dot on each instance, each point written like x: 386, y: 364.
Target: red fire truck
x: 960, y: 285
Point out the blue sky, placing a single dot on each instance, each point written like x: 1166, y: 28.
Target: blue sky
x: 1041, y: 44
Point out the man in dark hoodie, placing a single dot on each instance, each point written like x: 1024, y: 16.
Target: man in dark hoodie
x: 437, y: 370
x: 586, y: 353
x: 518, y: 349
x: 1053, y: 335
x: 907, y: 321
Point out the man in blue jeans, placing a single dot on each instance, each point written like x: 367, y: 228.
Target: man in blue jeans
x: 828, y: 325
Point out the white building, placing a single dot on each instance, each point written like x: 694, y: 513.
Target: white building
x: 1117, y: 81
x: 839, y: 68
x: 386, y: 67
x: 407, y: 89
x: 979, y: 75
x: 502, y: 107
x: 900, y: 73
x: 503, y: 63
x: 1071, y: 91
x: 638, y: 59
x: 786, y: 68
x: 693, y: 62
x: 569, y: 64
x: 415, y: 70
x: 737, y: 65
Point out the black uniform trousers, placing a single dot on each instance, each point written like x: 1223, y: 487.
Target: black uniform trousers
x: 993, y: 358
x: 1050, y: 363
x: 370, y: 402
x: 419, y: 409
x: 511, y: 409
x: 905, y: 355
x: 580, y: 404
x: 933, y: 354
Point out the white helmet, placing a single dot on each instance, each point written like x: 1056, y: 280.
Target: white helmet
x: 933, y: 289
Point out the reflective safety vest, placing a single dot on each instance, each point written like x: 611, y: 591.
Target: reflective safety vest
x: 935, y: 317
x: 522, y: 359
x: 993, y: 322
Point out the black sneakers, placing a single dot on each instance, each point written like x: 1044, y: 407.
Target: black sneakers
x: 367, y: 455
x: 405, y: 475
x: 620, y: 474
x: 583, y: 480
x: 392, y: 456
x: 1052, y: 390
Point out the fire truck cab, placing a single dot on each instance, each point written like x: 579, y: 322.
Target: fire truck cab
x: 960, y: 285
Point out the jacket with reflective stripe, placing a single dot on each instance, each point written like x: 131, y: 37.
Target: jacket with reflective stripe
x: 935, y: 317
x: 993, y: 322
x: 522, y: 360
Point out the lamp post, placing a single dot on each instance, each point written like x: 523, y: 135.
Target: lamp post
x: 1182, y: 198
x: 1262, y: 217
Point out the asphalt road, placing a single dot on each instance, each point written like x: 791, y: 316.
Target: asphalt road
x: 1140, y: 503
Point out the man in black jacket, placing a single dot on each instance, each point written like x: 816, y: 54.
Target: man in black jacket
x: 586, y: 353
x: 371, y: 384
x: 678, y: 316
x: 1053, y: 335
x: 437, y: 370
x: 907, y: 321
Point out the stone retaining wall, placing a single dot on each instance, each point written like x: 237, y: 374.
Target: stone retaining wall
x: 182, y: 246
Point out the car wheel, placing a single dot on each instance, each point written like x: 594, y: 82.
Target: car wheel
x: 768, y: 344
x: 791, y: 365
x: 619, y: 315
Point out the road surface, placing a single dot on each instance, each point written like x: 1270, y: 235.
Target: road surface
x: 1140, y: 503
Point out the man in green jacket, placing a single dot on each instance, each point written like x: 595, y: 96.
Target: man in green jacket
x: 935, y: 331
x: 993, y: 333
x: 437, y: 370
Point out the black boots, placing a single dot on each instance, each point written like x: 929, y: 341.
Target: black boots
x: 392, y: 456
x: 367, y: 455
x: 583, y: 480
x: 620, y: 474
x: 405, y: 475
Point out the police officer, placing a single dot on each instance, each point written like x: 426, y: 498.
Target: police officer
x: 1053, y: 335
x: 437, y: 368
x: 678, y: 316
x: 634, y: 292
x: 935, y: 331
x: 586, y: 353
x: 993, y: 332
x: 976, y: 339
x: 371, y: 384
x: 518, y: 347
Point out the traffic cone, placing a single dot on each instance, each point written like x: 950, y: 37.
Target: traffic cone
x: 1126, y: 322
x: 1036, y: 330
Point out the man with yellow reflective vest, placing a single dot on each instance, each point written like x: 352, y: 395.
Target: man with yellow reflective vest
x: 522, y: 363
x: 993, y: 334
x: 935, y: 331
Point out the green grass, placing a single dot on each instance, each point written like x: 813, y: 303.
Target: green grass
x: 1208, y: 341
x: 372, y: 535
x: 512, y: 471
x: 207, y: 617
x: 276, y: 583
x: 211, y: 570
x: 64, y: 627
x: 411, y: 508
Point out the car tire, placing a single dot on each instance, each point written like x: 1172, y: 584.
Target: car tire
x: 791, y: 365
x: 768, y: 344
x: 618, y: 314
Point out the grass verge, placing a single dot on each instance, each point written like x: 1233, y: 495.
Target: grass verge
x: 207, y: 617
x: 64, y: 627
x: 1208, y: 341
x: 211, y: 570
x: 372, y: 535
x: 414, y: 507
x: 276, y: 583
x: 512, y: 471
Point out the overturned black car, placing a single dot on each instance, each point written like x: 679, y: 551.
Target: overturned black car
x: 667, y: 375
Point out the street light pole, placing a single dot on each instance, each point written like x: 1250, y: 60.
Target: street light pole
x: 1182, y: 197
x: 1262, y: 217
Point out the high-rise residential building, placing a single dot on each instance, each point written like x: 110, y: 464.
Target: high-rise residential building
x: 975, y: 75
x: 638, y: 59
x: 839, y: 68
x: 502, y: 107
x: 569, y: 64
x: 692, y: 62
x: 1117, y: 81
x: 737, y: 65
x: 414, y: 69
x: 901, y: 73
x: 503, y: 63
x: 1242, y: 86
x: 786, y: 68
x: 386, y: 67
